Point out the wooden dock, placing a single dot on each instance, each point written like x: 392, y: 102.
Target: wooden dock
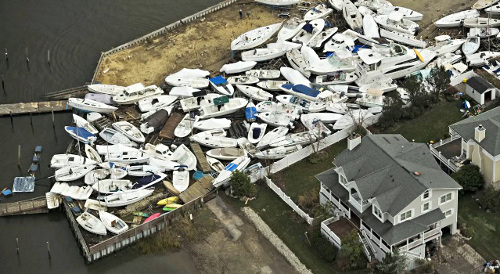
x: 78, y: 92
x: 33, y: 108
x: 169, y: 127
x: 199, y: 189
x: 31, y: 206
x: 127, y: 113
x: 202, y: 160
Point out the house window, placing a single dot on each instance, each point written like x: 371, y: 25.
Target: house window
x: 426, y: 207
x: 405, y: 216
x: 448, y: 213
x: 377, y: 212
x: 426, y: 195
x: 445, y: 198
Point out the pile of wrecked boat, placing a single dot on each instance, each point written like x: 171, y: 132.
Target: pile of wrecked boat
x: 330, y: 80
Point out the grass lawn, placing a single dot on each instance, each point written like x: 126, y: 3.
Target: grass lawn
x: 486, y: 226
x: 431, y: 125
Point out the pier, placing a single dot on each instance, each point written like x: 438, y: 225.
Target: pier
x: 202, y: 160
x: 32, y: 206
x: 67, y: 93
x: 33, y: 108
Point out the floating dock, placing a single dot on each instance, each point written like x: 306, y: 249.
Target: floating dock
x: 168, y: 129
x: 32, y: 206
x: 199, y: 189
x: 33, y: 108
x: 202, y: 160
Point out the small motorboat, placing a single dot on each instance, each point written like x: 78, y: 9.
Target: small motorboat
x: 483, y: 32
x: 90, y: 105
x: 456, y: 19
x: 81, y: 122
x: 300, y: 138
x: 255, y: 93
x: 276, y: 118
x: 405, y: 12
x: 395, y: 21
x: 184, y: 92
x: 264, y: 73
x: 271, y: 136
x: 205, y: 138
x: 242, y: 80
x: 290, y: 28
x: 135, y: 93
x: 106, y: 89
x: 114, y: 137
x: 481, y: 22
x: 301, y: 91
x: 127, y: 198
x: 225, y: 154
x: 80, y: 134
x: 352, y: 16
x: 156, y: 102
x: 194, y: 78
x: 112, y: 223
x: 255, y: 37
x: 143, y: 170
x: 221, y: 85
x: 91, y: 223
x: 198, y: 100
x: 185, y: 127
x: 277, y: 152
x: 96, y: 175
x: 317, y: 12
x: 212, y: 123
x: 256, y: 132
x: 233, y: 105
x: 215, y: 164
x: 72, y: 173
x: 109, y: 186
x: 239, y: 163
x: 250, y: 112
x: 130, y: 131
x: 238, y: 67
x: 62, y: 160
x: 272, y: 85
x: 180, y: 178
x: 471, y: 45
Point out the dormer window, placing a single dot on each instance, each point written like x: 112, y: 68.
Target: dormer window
x: 426, y: 195
x: 376, y: 211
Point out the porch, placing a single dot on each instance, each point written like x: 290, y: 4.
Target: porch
x: 336, y: 228
x: 449, y: 152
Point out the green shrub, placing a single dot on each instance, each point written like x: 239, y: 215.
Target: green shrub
x: 351, y: 254
x: 327, y: 250
x: 469, y: 177
x: 490, y: 199
x: 241, y: 186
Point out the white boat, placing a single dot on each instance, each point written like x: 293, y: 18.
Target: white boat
x: 127, y: 198
x: 93, y: 116
x: 290, y: 28
x: 110, y: 186
x: 358, y: 116
x: 96, y: 175
x: 62, y: 160
x: 298, y: 62
x: 90, y: 223
x: 156, y: 102
x: 278, y: 3
x: 456, y: 19
x: 318, y: 40
x: 239, y: 164
x: 255, y: 93
x: 338, y: 77
x: 294, y: 76
x: 106, y: 89
x: 221, y: 85
x: 130, y: 131
x: 256, y: 132
x: 309, y: 31
x: 272, y: 85
x: 112, y: 223
x: 342, y: 60
x: 72, y: 173
x: 483, y: 32
x: 370, y: 27
x: 271, y: 136
x: 232, y: 106
x: 122, y: 154
x: 301, y: 138
x: 406, y: 68
x: 212, y: 123
x: 339, y: 42
x: 318, y: 11
x: 277, y: 152
x: 92, y: 154
x: 144, y: 170
x: 133, y: 95
x: 395, y: 21
x: 471, y: 45
x: 193, y: 103
x: 225, y: 154
x: 263, y: 54
x: 255, y: 37
x: 242, y: 80
x: 114, y: 137
x: 103, y: 98
x: 276, y: 118
x: 205, y: 138
x: 374, y: 4
x: 403, y: 38
x: 352, y: 16
x: 264, y: 74
x: 180, y: 155
x: 481, y: 4
x: 340, y: 108
x: 480, y: 58
x: 444, y: 44
x: 82, y: 123
x: 300, y: 103
x: 337, y: 4
x: 269, y: 106
x: 405, y: 12
x: 315, y: 126
x: 185, y: 127
x: 370, y: 100
x: 301, y: 91
x: 495, y: 9
x: 90, y: 105
x: 180, y: 178
x: 215, y: 164
x: 195, y: 78
x: 324, y: 117
x: 384, y: 85
x: 183, y: 92
x: 238, y: 67
x: 53, y: 200
x: 481, y: 22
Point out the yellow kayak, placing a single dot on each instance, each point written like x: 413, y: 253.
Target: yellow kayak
x: 168, y: 200
x: 173, y: 205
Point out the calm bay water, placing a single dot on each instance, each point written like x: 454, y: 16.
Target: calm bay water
x: 75, y: 32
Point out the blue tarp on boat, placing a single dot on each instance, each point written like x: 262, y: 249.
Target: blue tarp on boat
x: 250, y: 113
x: 305, y: 90
x: 218, y: 80
x: 308, y: 27
x: 81, y: 132
x: 24, y: 184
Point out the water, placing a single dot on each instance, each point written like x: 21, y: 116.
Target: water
x: 75, y: 32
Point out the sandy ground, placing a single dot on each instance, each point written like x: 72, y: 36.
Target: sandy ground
x: 458, y: 257
x: 235, y: 246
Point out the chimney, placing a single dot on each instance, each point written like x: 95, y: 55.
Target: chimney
x: 353, y: 141
x: 480, y: 133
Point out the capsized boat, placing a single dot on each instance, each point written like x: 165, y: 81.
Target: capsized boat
x: 357, y: 116
x: 112, y: 223
x: 370, y: 27
x: 183, y: 92
x: 90, y: 223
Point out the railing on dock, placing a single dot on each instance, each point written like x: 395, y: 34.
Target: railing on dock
x: 32, y: 206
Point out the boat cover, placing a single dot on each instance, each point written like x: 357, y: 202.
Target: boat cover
x: 24, y: 184
x: 306, y: 90
x: 308, y: 27
x: 81, y: 132
x: 218, y: 80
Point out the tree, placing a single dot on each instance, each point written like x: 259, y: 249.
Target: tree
x: 391, y: 113
x: 469, y: 177
x: 491, y: 199
x: 419, y: 98
x: 241, y: 186
x: 439, y: 81
x: 351, y: 252
x: 393, y: 263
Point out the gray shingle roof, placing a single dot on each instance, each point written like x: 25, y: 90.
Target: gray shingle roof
x: 392, y: 234
x: 490, y: 121
x: 387, y: 173
x: 479, y: 84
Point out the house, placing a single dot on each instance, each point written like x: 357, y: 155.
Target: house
x: 393, y: 192
x: 480, y: 90
x: 476, y: 139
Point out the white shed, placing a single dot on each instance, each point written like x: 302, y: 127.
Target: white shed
x: 480, y: 90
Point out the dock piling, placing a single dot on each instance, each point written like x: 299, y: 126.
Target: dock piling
x: 31, y: 119
x: 53, y: 118
x: 3, y: 83
x: 48, y: 56
x: 6, y: 58
x: 48, y: 249
x: 17, y: 246
x: 11, y: 118
x: 19, y: 156
x: 27, y: 59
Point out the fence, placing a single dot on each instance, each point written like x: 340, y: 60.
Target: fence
x: 288, y: 201
x: 162, y: 31
x: 328, y: 233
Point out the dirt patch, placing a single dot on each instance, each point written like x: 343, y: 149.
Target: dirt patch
x: 457, y: 256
